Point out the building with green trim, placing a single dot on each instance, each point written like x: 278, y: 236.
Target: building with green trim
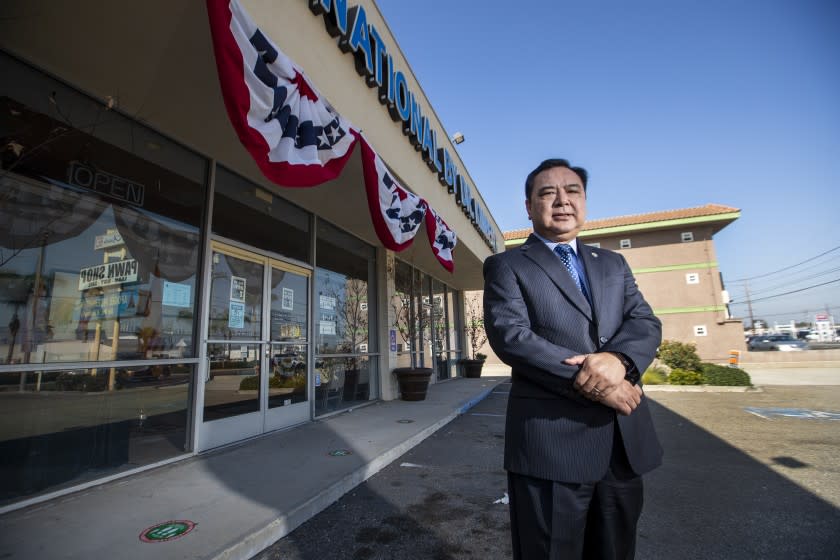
x: 672, y: 255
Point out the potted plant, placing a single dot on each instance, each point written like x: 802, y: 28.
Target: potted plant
x: 413, y: 381
x: 476, y: 337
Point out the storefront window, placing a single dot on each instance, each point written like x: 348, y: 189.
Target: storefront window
x: 344, y: 312
x: 403, y: 313
x: 246, y: 212
x: 98, y: 246
x: 425, y: 320
x: 62, y: 428
x: 453, y: 333
x: 236, y: 298
x: 99, y: 260
x: 440, y: 318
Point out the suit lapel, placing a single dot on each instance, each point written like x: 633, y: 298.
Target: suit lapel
x: 536, y: 250
x: 596, y: 274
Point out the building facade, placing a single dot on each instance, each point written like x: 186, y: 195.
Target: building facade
x: 165, y: 287
x: 672, y: 256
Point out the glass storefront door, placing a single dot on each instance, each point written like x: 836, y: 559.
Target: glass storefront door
x: 256, y: 377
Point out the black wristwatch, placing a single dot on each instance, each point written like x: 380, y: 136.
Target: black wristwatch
x: 631, y: 374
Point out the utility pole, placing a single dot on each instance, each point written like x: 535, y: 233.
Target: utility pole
x: 749, y: 306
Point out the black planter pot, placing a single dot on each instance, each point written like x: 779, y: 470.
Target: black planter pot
x: 413, y: 382
x: 472, y: 368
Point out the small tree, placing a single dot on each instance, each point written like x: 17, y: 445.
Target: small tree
x: 474, y: 325
x: 679, y: 355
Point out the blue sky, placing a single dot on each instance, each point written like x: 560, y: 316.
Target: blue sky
x: 668, y: 104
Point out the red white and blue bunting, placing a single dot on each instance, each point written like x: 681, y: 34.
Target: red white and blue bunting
x: 298, y: 140
x: 441, y: 238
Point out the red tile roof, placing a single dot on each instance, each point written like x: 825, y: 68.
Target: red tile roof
x: 665, y: 215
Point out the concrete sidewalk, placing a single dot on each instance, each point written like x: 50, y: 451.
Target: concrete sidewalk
x: 241, y: 498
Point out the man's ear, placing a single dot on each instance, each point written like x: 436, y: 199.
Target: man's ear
x: 528, y: 208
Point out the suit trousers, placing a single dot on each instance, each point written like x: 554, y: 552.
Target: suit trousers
x: 553, y: 520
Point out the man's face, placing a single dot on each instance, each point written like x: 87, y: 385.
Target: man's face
x: 557, y: 206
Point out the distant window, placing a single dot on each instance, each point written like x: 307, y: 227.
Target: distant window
x: 596, y: 245
x: 692, y: 278
x: 363, y: 347
x: 687, y: 236
x: 700, y: 330
x: 624, y: 243
x: 363, y: 307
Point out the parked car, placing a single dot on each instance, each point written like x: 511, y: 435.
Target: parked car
x: 783, y: 342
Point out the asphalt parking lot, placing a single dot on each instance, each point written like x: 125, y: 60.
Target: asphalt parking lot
x: 742, y: 481
x: 738, y: 482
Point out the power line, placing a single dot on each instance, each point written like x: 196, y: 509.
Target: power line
x: 791, y: 282
x: 796, y: 291
x: 787, y: 267
x: 799, y: 313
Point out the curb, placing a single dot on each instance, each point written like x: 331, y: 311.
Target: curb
x: 702, y: 389
x: 475, y: 400
x: 252, y: 544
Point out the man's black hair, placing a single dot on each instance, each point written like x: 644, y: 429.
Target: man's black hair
x: 549, y: 164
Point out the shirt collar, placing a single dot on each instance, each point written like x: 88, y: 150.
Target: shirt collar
x: 552, y: 244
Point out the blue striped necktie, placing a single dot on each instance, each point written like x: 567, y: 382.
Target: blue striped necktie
x: 565, y: 253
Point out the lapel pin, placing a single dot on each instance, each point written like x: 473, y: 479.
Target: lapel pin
x: 594, y: 254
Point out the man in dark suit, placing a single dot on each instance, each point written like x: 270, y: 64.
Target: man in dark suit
x: 572, y: 324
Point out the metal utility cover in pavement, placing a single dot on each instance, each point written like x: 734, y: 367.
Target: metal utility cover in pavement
x: 340, y: 453
x: 166, y: 531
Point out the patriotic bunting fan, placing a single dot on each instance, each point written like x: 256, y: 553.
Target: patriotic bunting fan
x: 298, y: 140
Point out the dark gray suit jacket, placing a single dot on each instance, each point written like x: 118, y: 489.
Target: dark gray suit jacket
x: 535, y: 317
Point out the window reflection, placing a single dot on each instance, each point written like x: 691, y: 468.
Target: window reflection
x: 95, y: 264
x: 287, y: 380
x: 344, y: 310
x: 424, y: 311
x: 289, y: 311
x: 233, y: 383
x: 62, y: 428
x: 236, y: 290
x: 341, y: 383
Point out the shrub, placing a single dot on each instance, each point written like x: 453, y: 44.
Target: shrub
x: 679, y: 355
x: 252, y: 382
x: 714, y: 374
x: 654, y: 376
x: 685, y: 377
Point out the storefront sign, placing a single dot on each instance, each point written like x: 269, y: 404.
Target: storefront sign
x: 376, y: 65
x: 111, y: 238
x: 111, y: 185
x: 236, y: 315
x: 237, y: 288
x: 326, y: 302
x: 108, y: 274
x: 287, y: 301
x: 176, y: 295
